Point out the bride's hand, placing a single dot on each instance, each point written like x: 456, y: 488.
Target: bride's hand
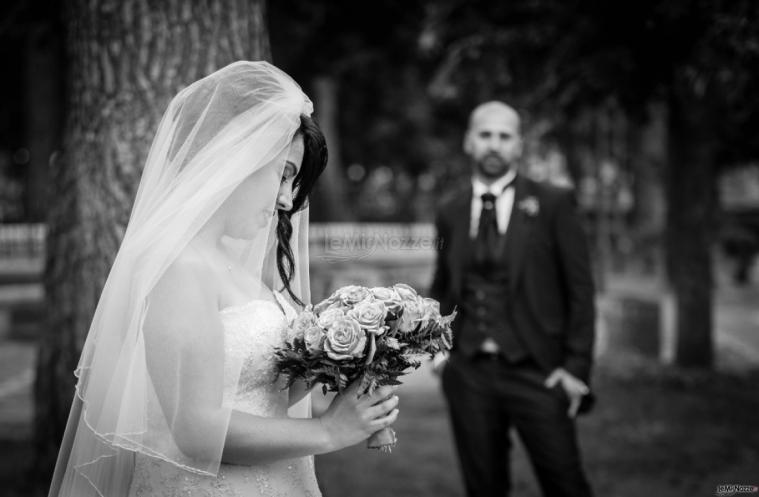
x: 349, y: 419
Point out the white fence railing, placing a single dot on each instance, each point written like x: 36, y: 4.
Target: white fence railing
x: 22, y: 240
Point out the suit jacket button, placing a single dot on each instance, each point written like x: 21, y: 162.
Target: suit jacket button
x: 481, y: 311
x: 480, y: 295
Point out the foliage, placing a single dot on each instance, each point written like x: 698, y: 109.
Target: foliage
x: 562, y: 56
x: 370, y: 52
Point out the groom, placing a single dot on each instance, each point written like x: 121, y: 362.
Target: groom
x: 514, y: 261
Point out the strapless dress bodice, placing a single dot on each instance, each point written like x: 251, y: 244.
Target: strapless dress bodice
x: 252, y: 332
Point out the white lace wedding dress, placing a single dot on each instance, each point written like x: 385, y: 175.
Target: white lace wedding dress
x: 251, y: 332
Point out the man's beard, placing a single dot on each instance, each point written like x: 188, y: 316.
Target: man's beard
x: 493, y: 166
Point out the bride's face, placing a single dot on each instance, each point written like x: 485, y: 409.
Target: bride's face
x: 244, y: 221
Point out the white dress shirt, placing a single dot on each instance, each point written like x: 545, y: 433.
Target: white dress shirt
x: 504, y: 201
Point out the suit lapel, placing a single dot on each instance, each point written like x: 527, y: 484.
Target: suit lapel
x: 518, y: 230
x: 461, y: 218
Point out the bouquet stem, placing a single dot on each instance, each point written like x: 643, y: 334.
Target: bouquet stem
x: 383, y: 440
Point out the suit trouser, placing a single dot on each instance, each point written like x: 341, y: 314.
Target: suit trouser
x: 486, y: 397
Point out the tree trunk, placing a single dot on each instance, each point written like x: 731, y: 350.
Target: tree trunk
x: 602, y: 130
x: 691, y: 199
x: 650, y: 139
x: 125, y: 60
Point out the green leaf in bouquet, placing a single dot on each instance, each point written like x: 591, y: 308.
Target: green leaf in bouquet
x: 391, y: 343
x: 369, y: 382
x: 389, y: 381
x: 291, y: 379
x: 447, y: 320
x: 414, y: 356
x: 393, y: 324
x: 418, y: 328
x: 395, y: 372
x: 447, y: 344
x: 339, y: 379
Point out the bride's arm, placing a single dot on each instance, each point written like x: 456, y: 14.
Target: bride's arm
x: 185, y: 356
x: 253, y: 439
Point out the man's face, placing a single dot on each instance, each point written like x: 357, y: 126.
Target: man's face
x: 493, y: 141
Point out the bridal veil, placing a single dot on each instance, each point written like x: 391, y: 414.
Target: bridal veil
x: 234, y: 123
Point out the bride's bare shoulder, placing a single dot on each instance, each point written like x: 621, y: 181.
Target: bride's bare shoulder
x: 189, y: 264
x: 188, y: 280
x: 181, y: 307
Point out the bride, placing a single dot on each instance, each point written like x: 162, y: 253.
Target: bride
x: 177, y: 392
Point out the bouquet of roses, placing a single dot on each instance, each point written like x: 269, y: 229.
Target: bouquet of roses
x: 376, y: 334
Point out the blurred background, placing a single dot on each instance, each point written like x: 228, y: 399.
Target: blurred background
x: 645, y: 109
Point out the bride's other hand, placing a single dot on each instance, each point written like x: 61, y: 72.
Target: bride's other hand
x: 351, y: 418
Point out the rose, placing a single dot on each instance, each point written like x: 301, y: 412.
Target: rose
x: 389, y: 297
x: 431, y: 304
x: 324, y: 305
x: 328, y: 317
x: 370, y: 315
x: 412, y: 314
x: 352, y: 294
x: 430, y: 310
x: 338, y: 304
x: 302, y: 322
x: 345, y: 339
x: 314, y: 338
x: 405, y: 292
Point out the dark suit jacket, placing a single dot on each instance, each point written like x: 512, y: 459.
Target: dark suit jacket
x: 551, y: 283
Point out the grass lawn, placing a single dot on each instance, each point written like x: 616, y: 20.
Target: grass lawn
x: 655, y: 432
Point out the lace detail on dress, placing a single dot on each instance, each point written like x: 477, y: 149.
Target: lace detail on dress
x: 252, y: 331
x: 156, y: 478
x: 294, y: 478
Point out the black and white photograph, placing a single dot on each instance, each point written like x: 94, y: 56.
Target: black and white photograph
x: 420, y: 248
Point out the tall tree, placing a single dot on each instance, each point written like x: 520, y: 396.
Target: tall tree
x: 125, y: 60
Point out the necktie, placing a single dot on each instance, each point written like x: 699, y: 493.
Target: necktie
x: 488, y: 240
x: 486, y: 243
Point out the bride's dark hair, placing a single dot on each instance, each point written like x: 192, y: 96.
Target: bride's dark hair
x: 314, y: 162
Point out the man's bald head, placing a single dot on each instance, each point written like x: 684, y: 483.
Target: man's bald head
x: 495, y: 110
x: 493, y: 140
